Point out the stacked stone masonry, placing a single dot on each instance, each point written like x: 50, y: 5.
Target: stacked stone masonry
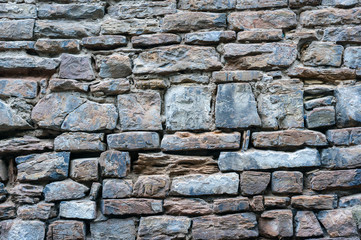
x: 180, y: 119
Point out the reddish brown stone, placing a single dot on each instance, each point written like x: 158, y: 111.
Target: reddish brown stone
x: 131, y: 206
x: 340, y: 179
x: 154, y: 186
x: 276, y: 223
x: 66, y: 229
x: 276, y: 202
x: 287, y: 182
x: 315, y: 202
x: 24, y: 145
x: 187, y: 206
x: 338, y: 223
x: 253, y: 183
x: 307, y: 225
x: 257, y: 204
x: 229, y: 205
x: 84, y: 169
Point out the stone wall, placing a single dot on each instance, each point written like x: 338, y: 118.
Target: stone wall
x: 187, y: 119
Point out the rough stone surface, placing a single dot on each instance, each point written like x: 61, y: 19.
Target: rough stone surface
x: 16, y: 29
x: 342, y: 179
x: 42, y: 211
x: 198, y: 185
x: 111, y: 87
x: 18, y: 88
x: 131, y: 206
x: 153, y: 186
x: 158, y: 39
x: 63, y: 229
x: 350, y: 201
x: 114, y: 164
x: 346, y: 136
x: 276, y: 223
x: 213, y: 37
x: 323, y: 54
x: 18, y: 229
x: 249, y: 4
x: 287, y: 182
x: 332, y: 219
x: 114, y: 66
x: 133, y: 141
x: 320, y: 117
x: 254, y: 183
x: 58, y: 29
x: 229, y: 205
x: 104, y: 42
x: 70, y: 11
x: 117, y: 188
x: 276, y: 202
x: 79, y: 209
x: 314, y: 202
x: 260, y: 35
x: 130, y: 26
x: 84, y: 169
x: 341, y: 157
x: 55, y: 46
x: 208, y: 5
x: 307, y: 225
x: 348, y: 112
x: 75, y: 67
x: 24, y: 144
x: 64, y: 190
x: 352, y: 57
x: 80, y: 142
x: 237, y: 76
x: 187, y: 206
x: 330, y: 16
x: 117, y: 229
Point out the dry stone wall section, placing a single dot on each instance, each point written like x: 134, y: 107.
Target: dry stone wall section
x: 180, y: 119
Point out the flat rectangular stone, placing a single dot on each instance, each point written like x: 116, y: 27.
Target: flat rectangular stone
x: 352, y: 57
x: 343, y: 34
x: 130, y: 26
x: 80, y: 142
x: 189, y: 78
x: 276, y: 202
x: 338, y: 179
x: 340, y: 3
x: 192, y: 21
x: 133, y: 141
x: 43, y: 167
x: 157, y: 39
x: 212, y: 37
x: 346, y: 136
x: 187, y: 206
x: 61, y: 85
x: 42, y: 211
x: 16, y: 29
x: 209, y: 5
x: 16, y: 45
x: 237, y: 76
x: 255, y: 4
x: 186, y: 58
x: 22, y: 88
x: 24, y: 145
x: 336, y: 158
x: 63, y: 229
x: 330, y: 16
x: 314, y: 202
x: 319, y: 102
x: 68, y: 29
x: 131, y: 206
x: 199, y: 185
x: 70, y: 11
x: 281, y: 19
x: 123, y: 229
x: 350, y: 201
x: 185, y: 141
x: 267, y: 159
x: 64, y: 190
x: 26, y: 62
x: 110, y: 87
x: 230, y: 205
x: 56, y: 46
x: 322, y: 54
x: 302, y: 3
x: 17, y: 11
x: 325, y: 74
x: 104, y: 42
x: 79, y: 209
x: 235, y: 226
x: 260, y: 35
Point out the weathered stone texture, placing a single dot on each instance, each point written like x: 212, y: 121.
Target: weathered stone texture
x: 287, y: 182
x: 133, y: 141
x: 341, y: 157
x: 276, y: 223
x: 157, y: 39
x: 117, y: 229
x: 104, y: 42
x: 63, y: 229
x: 70, y: 11
x: 80, y: 142
x: 187, y: 206
x: 16, y: 29
x: 24, y: 145
x: 330, y: 16
x: 117, y: 188
x: 307, y: 225
x: 18, y: 88
x: 348, y: 112
x: 342, y: 179
x: 154, y: 186
x: 64, y: 190
x: 254, y: 183
x: 333, y: 219
x: 314, y: 202
x: 79, y: 209
x: 68, y: 29
x: 207, y: 5
x: 131, y: 206
x: 114, y: 164
x: 84, y: 169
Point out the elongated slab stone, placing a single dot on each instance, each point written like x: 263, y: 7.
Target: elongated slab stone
x: 64, y: 190
x: 131, y: 206
x: 338, y: 179
x: 117, y: 229
x: 208, y: 5
x: 24, y: 145
x: 259, y: 159
x: 133, y: 141
x: 80, y: 142
x: 198, y: 185
x: 335, y: 157
x: 314, y: 202
x: 68, y: 29
x: 18, y: 88
x: 183, y: 141
x: 16, y: 29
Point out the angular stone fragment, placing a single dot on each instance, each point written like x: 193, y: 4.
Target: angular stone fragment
x: 332, y: 220
x: 348, y: 111
x: 3, y: 191
x: 104, y: 42
x: 153, y: 186
x: 76, y: 67
x: 24, y: 145
x: 117, y: 229
x: 260, y: 35
x: 24, y: 230
x: 236, y: 76
x: 130, y: 26
x: 187, y: 206
x: 253, y: 183
x: 7, y: 211
x: 335, y: 157
x: 80, y: 209
x: 185, y: 58
x: 27, y: 63
x: 212, y: 37
x: 330, y: 16
x: 320, y: 117
x: 346, y: 136
x: 64, y: 190
x: 185, y: 141
x: 16, y: 29
x: 114, y: 163
x: 55, y: 46
x: 42, y: 211
x: 191, y: 21
x: 157, y: 39
x: 339, y: 3
x: 229, y: 205
x: 302, y: 3
x: 280, y: 105
x: 133, y: 141
x: 189, y: 78
x: 111, y: 86
x: 64, y: 229
x: 343, y: 34
x: 70, y: 11
x: 254, y: 4
x: 288, y: 138
x: 207, y: 5
x: 154, y: 84
x: 14, y: 115
x: 131, y: 206
x: 319, y: 102
x: 236, y: 106
x: 43, y: 167
x: 80, y: 142
x: 3, y: 171
x: 91, y: 116
x: 174, y: 165
x: 68, y: 29
x: 183, y: 103
x: 350, y: 201
x: 16, y: 45
x: 141, y: 9
x: 84, y: 169
x: 259, y: 56
x: 340, y: 179
x: 319, y: 89
x: 307, y: 225
x: 140, y: 111
x: 163, y: 227
x: 283, y: 18
x: 257, y: 203
x: 117, y: 188
x: 198, y: 185
x: 287, y: 182
x: 352, y: 57
x: 322, y: 54
x: 235, y: 226
x: 114, y: 66
x: 276, y: 202
x: 276, y: 223
x: 61, y: 85
x: 95, y: 191
x: 324, y: 74
x: 17, y: 11
x: 18, y: 88
x: 258, y: 159
x: 314, y: 202
x: 26, y: 193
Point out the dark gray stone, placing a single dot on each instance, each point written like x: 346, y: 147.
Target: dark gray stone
x: 64, y: 190
x: 349, y: 157
x: 114, y: 164
x: 348, y: 111
x: 134, y: 141
x: 114, y: 229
